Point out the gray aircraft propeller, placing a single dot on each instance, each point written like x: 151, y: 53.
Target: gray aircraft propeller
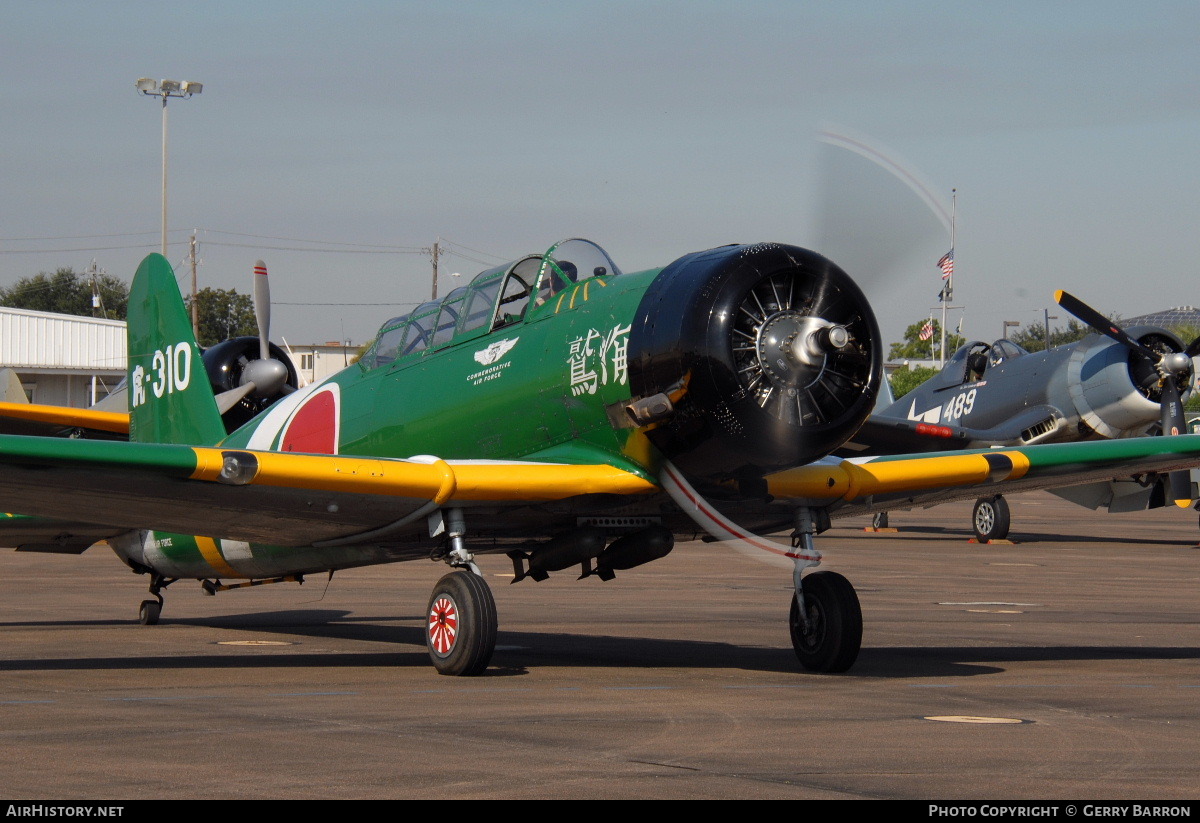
x: 1168, y: 369
x: 245, y: 380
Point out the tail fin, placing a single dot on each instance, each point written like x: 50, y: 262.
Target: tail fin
x: 170, y: 400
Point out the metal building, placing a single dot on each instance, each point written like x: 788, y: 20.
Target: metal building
x: 1180, y: 317
x: 62, y: 359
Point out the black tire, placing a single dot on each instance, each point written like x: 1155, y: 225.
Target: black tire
x: 460, y: 627
x: 834, y: 633
x: 879, y: 520
x: 148, y: 612
x: 990, y: 518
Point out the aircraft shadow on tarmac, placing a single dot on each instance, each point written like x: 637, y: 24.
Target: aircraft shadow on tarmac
x: 518, y: 652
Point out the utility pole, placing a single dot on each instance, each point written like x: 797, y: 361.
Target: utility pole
x: 97, y: 303
x: 434, y: 253
x: 195, y: 315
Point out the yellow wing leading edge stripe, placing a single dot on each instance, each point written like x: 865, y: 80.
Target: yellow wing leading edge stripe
x: 437, y: 480
x: 848, y: 481
x: 116, y: 422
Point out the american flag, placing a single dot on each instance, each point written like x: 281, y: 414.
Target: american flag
x: 926, y: 330
x: 946, y: 264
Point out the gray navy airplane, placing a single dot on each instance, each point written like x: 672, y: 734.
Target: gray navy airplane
x: 1114, y: 383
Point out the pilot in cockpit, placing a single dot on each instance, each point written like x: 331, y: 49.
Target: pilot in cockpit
x: 977, y: 363
x: 570, y: 274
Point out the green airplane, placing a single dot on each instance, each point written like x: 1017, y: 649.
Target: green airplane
x: 555, y: 409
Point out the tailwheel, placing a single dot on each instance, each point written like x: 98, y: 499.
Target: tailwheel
x: 829, y: 638
x: 461, y: 624
x: 990, y: 518
x: 149, y: 611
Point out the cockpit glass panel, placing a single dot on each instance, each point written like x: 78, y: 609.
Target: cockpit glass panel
x: 448, y: 317
x: 481, y: 298
x: 1006, y: 350
x: 569, y: 262
x: 514, y: 298
x: 388, y: 347
x: 370, y: 357
x: 420, y: 328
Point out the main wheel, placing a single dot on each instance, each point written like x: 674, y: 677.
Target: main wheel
x: 148, y: 612
x: 879, y: 520
x: 990, y: 518
x: 461, y: 624
x: 833, y: 636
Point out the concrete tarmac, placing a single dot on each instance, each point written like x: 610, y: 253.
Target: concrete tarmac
x: 1066, y: 666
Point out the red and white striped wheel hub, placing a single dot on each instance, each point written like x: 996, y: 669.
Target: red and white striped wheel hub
x: 443, y: 625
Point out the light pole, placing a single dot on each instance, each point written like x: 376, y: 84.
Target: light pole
x: 1010, y: 324
x: 165, y: 89
x: 1049, y: 317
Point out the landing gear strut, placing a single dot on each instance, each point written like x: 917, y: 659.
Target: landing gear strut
x: 149, y: 610
x: 460, y: 624
x: 825, y: 618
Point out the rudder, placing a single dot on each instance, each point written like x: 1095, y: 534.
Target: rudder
x: 170, y: 400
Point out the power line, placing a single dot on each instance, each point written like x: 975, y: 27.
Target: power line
x: 476, y: 251
x: 393, y: 247
x: 326, y: 251
x: 83, y: 249
x: 73, y: 237
x: 375, y: 303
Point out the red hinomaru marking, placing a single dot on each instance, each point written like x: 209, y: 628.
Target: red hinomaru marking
x: 313, y: 428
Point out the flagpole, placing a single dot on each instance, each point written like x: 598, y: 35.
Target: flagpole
x: 948, y: 289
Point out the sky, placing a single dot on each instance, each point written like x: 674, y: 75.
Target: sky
x: 338, y: 142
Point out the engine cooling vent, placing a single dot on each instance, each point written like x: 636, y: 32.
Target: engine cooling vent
x: 1039, y: 430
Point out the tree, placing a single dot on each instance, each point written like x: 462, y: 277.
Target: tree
x: 222, y: 314
x: 68, y: 292
x: 1032, y: 337
x: 914, y: 348
x: 905, y: 380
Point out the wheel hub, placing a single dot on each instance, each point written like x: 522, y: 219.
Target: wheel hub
x: 985, y: 518
x: 443, y: 626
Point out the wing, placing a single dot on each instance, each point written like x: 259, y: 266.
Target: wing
x: 57, y: 536
x: 35, y: 419
x: 282, y: 499
x: 867, y: 484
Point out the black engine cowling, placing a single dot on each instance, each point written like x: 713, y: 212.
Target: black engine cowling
x: 771, y: 354
x: 225, y: 363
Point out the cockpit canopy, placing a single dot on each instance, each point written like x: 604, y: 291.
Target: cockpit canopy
x: 972, y: 360
x: 495, y: 298
x: 569, y: 262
